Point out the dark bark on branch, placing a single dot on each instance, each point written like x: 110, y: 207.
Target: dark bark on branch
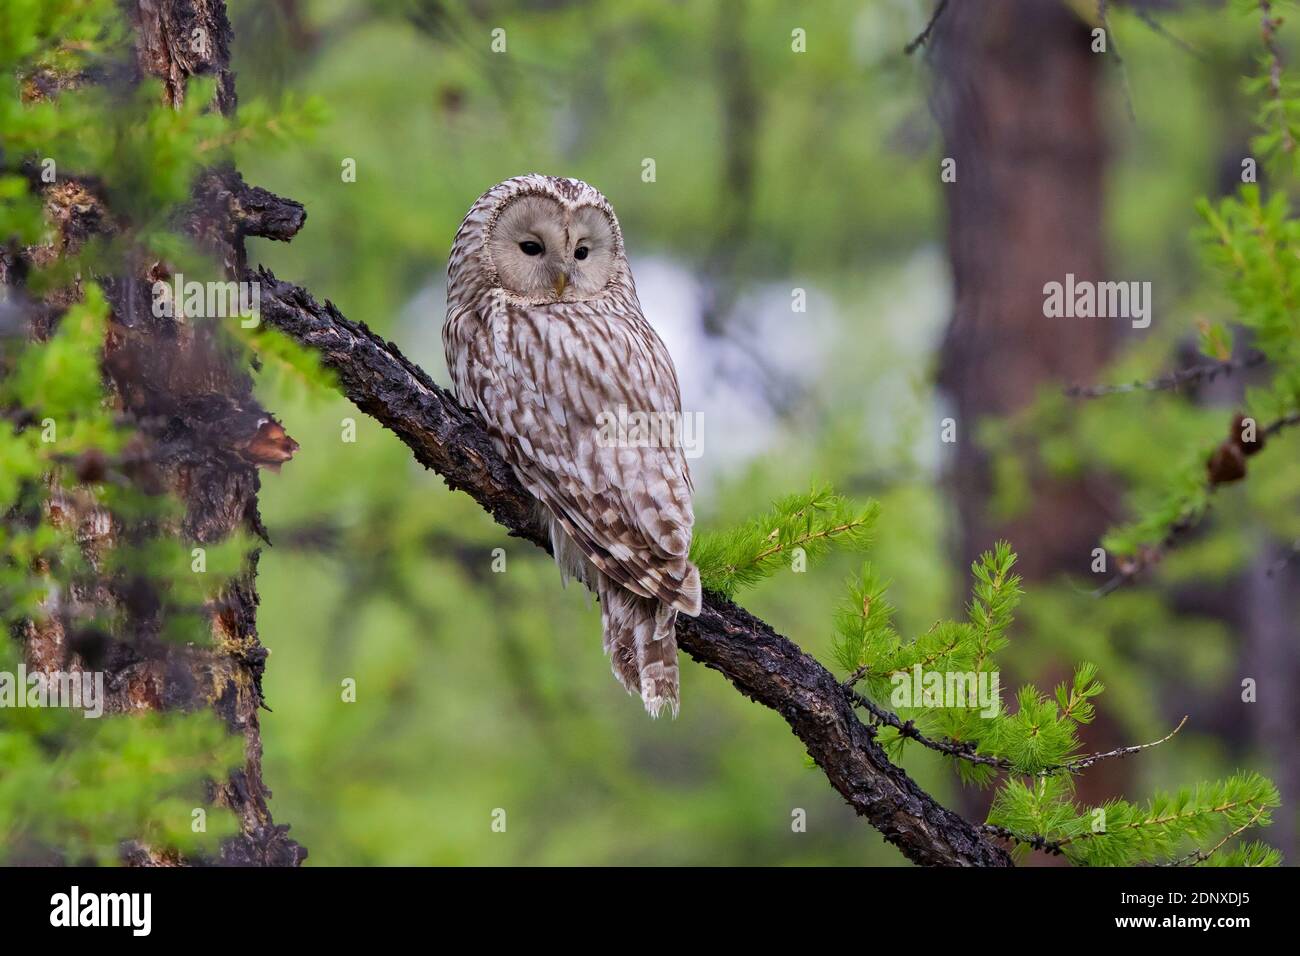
x: 763, y: 665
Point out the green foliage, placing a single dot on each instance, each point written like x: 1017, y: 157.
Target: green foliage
x: 799, y: 528
x: 1124, y: 834
x: 1253, y: 245
x: 61, y: 379
x: 143, y: 157
x: 80, y: 786
x: 72, y: 786
x: 1278, y: 114
x: 864, y: 625
x: 1038, y: 741
x: 1032, y: 752
x: 1185, y: 499
x: 291, y: 122
x: 55, y: 35
x: 285, y: 365
x: 56, y: 389
x: 1276, y: 93
x: 1248, y: 854
x: 868, y: 646
x: 1158, y: 442
x: 388, y: 600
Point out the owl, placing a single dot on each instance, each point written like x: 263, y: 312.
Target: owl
x: 545, y: 340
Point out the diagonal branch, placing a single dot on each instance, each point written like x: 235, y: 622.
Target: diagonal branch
x: 1226, y: 465
x: 923, y: 37
x: 763, y: 665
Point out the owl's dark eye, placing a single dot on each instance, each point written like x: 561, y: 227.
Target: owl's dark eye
x: 580, y: 252
x: 530, y: 248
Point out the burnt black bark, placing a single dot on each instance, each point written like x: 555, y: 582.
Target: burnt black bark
x: 199, y: 436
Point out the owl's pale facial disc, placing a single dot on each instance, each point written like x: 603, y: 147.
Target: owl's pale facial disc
x: 546, y: 252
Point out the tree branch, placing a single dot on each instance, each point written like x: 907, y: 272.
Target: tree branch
x: 1173, y: 381
x: 1226, y: 465
x: 923, y: 37
x: 763, y: 665
x: 1268, y: 27
x: 966, y: 749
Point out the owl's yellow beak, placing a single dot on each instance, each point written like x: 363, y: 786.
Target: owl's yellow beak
x: 561, y: 283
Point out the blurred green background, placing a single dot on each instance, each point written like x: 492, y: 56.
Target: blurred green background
x: 774, y: 171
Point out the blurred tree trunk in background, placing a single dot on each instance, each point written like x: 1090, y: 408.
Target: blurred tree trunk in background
x: 1019, y: 100
x: 1270, y: 604
x: 199, y: 436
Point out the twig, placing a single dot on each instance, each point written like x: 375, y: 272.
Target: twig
x: 923, y: 37
x: 1033, y: 841
x: 1268, y: 31
x: 1082, y: 763
x: 1194, y: 375
x: 1286, y: 421
x: 1200, y: 856
x: 964, y: 750
x: 1152, y: 554
x: 1103, y: 15
x: 1057, y: 847
x: 1160, y: 29
x: 1150, y: 821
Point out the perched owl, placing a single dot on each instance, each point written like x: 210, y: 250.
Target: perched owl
x: 545, y: 340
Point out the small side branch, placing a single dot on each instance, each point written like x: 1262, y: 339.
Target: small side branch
x: 1032, y: 840
x: 924, y: 36
x: 961, y: 749
x: 1225, y: 466
x: 1159, y: 29
x: 965, y: 749
x: 1083, y: 763
x: 1268, y: 25
x: 1057, y: 847
x: 1174, y: 381
x: 1200, y: 856
x: 1103, y: 14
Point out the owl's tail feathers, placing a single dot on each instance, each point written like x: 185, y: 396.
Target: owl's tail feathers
x: 657, y: 659
x: 689, y: 594
x: 641, y: 640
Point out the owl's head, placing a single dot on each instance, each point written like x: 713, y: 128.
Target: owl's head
x: 547, y: 239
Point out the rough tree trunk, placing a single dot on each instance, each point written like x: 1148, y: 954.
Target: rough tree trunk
x: 200, y: 437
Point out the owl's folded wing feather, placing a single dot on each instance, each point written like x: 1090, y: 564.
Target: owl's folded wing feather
x: 544, y: 380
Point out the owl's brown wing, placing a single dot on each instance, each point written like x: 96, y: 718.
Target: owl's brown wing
x: 543, y: 379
